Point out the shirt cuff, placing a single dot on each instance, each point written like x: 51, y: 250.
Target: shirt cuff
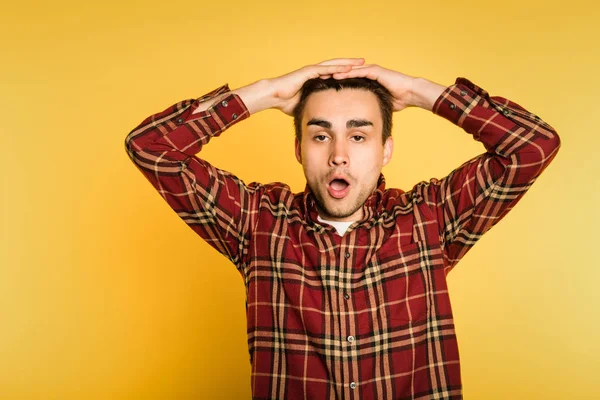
x: 458, y: 100
x: 225, y: 113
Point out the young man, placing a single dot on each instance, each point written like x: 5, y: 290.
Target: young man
x: 346, y: 282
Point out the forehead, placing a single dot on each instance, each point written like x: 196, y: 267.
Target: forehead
x: 342, y: 105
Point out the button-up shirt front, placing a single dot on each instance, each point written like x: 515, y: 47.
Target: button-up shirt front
x: 366, y: 315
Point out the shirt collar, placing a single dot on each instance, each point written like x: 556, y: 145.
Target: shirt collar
x: 372, y: 207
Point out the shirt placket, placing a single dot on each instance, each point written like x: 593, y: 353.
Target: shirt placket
x: 348, y: 327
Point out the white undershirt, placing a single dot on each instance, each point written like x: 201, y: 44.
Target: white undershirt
x: 340, y: 227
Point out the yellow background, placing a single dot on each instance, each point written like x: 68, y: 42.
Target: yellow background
x: 106, y: 294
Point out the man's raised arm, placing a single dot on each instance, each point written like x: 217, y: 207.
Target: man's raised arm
x: 214, y: 203
x: 476, y: 195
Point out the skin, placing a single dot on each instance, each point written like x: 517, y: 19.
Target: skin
x: 331, y: 146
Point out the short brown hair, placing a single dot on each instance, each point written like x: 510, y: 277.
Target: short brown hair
x: 317, y: 85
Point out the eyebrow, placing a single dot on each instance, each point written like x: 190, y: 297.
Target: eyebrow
x: 351, y: 123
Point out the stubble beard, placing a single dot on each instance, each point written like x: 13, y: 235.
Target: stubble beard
x: 341, y: 211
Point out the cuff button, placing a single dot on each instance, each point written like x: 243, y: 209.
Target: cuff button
x: 224, y: 103
x: 234, y: 116
x: 452, y: 106
x: 463, y: 92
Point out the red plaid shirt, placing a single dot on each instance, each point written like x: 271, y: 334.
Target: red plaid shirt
x: 365, y: 315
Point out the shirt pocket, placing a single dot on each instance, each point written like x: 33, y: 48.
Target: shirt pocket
x: 401, y: 289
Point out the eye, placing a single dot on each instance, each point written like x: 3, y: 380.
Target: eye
x: 320, y: 138
x: 358, y: 138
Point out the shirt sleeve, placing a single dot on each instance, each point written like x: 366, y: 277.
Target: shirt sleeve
x: 475, y: 196
x: 214, y: 203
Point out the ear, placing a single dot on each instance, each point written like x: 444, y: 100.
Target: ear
x: 388, y: 149
x: 298, y: 150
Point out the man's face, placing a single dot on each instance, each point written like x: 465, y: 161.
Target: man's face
x: 341, y: 150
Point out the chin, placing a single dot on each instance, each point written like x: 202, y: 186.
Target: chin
x: 343, y: 211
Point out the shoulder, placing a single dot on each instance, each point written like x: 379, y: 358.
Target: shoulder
x: 274, y: 192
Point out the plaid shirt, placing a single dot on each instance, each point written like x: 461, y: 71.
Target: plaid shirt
x: 365, y: 315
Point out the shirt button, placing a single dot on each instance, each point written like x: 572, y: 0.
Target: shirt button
x: 452, y: 106
x: 234, y: 116
x: 346, y: 296
x: 347, y: 254
x: 224, y: 103
x: 506, y: 111
x: 353, y: 385
x: 463, y: 92
x: 350, y: 339
x: 179, y: 120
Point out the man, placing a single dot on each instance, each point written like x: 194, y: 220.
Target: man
x: 346, y: 282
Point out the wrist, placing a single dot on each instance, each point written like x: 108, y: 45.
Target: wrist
x: 257, y: 96
x: 424, y: 93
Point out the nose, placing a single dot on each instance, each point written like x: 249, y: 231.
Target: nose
x: 339, y: 154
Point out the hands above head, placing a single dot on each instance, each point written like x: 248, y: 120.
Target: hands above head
x: 283, y: 92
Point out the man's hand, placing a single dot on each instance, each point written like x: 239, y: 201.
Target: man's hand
x: 286, y: 88
x: 283, y: 92
x: 408, y: 91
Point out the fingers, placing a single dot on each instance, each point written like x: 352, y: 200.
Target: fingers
x: 316, y: 71
x: 343, y: 61
x: 326, y: 69
x: 364, y: 71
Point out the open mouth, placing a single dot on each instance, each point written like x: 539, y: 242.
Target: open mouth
x: 338, y: 188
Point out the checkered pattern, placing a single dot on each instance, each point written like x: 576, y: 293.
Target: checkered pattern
x: 362, y: 316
